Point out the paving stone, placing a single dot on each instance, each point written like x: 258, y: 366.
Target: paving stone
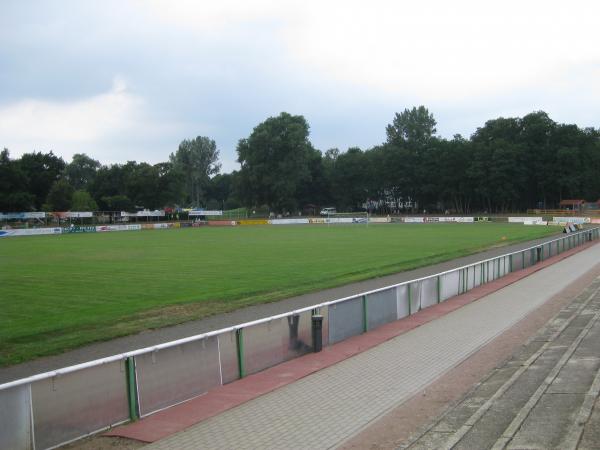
x: 457, y: 417
x: 548, y: 422
x: 576, y: 376
x: 526, y: 351
x: 591, y: 432
x: 433, y: 439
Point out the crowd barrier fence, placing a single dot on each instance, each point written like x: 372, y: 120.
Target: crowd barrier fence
x: 54, y: 408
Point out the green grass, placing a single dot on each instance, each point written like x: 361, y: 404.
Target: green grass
x: 60, y: 292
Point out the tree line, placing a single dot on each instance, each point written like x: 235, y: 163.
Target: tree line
x: 508, y: 164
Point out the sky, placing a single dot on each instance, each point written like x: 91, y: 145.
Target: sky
x: 129, y: 80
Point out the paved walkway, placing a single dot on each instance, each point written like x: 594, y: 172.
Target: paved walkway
x: 324, y: 409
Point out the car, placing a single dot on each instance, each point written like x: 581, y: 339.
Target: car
x: 327, y: 211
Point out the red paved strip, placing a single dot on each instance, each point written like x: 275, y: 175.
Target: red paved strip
x: 177, y: 418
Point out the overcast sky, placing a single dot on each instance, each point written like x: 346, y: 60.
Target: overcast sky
x: 128, y: 80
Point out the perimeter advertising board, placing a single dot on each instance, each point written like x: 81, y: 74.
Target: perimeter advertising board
x: 205, y: 213
x: 78, y: 229
x: 104, y: 228
x: 30, y: 232
x: 562, y: 220
x: 524, y: 219
x: 288, y: 221
x: 22, y: 215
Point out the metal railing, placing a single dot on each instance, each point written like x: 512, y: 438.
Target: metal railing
x: 51, y: 409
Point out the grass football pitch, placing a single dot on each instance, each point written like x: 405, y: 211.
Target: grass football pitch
x: 61, y: 292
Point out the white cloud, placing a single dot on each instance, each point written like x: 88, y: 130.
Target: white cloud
x: 224, y: 15
x: 219, y: 68
x: 100, y: 125
x: 445, y: 50
x: 79, y: 121
x: 420, y: 52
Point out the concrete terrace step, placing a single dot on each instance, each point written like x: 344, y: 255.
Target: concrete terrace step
x: 542, y: 398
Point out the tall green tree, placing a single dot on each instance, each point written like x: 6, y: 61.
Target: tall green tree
x: 81, y: 171
x: 109, y: 182
x: 413, y: 127
x: 141, y: 184
x: 60, y: 196
x: 221, y: 191
x: 14, y: 185
x: 170, y: 185
x: 197, y: 160
x: 117, y: 202
x: 455, y: 187
x: 42, y: 171
x: 83, y: 201
x: 410, y: 138
x: 276, y: 163
x: 351, y: 184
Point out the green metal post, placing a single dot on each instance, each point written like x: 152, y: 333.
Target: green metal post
x: 134, y: 413
x: 409, y: 298
x: 523, y: 258
x: 510, y: 262
x: 239, y: 334
x: 439, y: 289
x: 364, y: 305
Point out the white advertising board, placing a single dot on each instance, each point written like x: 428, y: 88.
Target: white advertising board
x: 30, y: 232
x: 205, y: 213
x: 103, y: 228
x: 340, y: 220
x: 22, y: 215
x: 288, y: 221
x: 456, y: 219
x: 571, y: 219
x: 145, y: 213
x: 524, y: 219
x: 79, y: 214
